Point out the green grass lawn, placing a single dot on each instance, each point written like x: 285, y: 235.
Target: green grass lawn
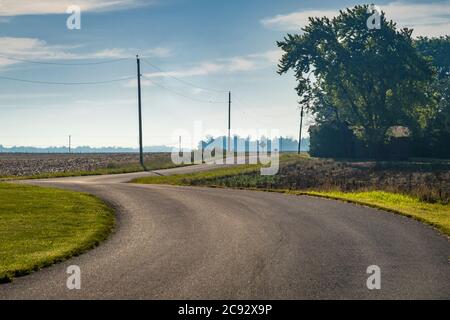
x: 247, y: 177
x: 41, y: 226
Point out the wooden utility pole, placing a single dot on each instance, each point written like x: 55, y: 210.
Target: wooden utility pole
x: 141, y: 148
x: 281, y: 144
x: 300, y: 131
x: 70, y: 144
x: 229, y: 121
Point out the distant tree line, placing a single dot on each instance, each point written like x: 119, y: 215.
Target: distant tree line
x: 82, y: 149
x: 375, y: 93
x: 285, y: 144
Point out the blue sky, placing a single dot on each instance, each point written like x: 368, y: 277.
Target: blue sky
x: 224, y: 45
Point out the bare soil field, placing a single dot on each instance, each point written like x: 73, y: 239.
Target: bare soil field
x: 25, y: 165
x: 427, y: 179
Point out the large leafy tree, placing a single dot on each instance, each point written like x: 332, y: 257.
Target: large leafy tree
x: 437, y: 134
x: 369, y: 80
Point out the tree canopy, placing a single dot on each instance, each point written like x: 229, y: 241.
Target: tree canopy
x: 366, y: 80
x: 436, y: 137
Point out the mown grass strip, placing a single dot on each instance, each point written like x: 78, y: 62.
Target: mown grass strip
x: 199, y: 177
x: 41, y: 226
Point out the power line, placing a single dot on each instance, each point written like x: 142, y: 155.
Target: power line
x: 181, y: 94
x: 240, y: 102
x: 65, y: 83
x: 181, y: 80
x: 60, y: 63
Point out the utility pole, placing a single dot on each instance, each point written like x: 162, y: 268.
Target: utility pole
x: 203, y: 151
x: 281, y: 144
x: 179, y: 143
x: 70, y: 144
x: 229, y: 121
x: 300, y: 131
x: 141, y: 148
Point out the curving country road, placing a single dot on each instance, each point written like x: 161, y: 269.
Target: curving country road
x: 200, y: 243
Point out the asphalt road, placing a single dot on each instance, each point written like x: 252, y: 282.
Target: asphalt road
x: 199, y: 243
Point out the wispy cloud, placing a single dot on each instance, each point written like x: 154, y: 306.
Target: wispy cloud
x: 226, y: 65
x: 41, y: 7
x: 13, y: 96
x: 39, y: 50
x: 427, y: 19
x: 202, y: 69
x: 30, y: 48
x: 133, y: 83
x: 241, y: 64
x: 296, y: 20
x: 158, y: 52
x: 271, y: 56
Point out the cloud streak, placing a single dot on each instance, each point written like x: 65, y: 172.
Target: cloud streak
x: 236, y: 64
x: 296, y: 20
x: 39, y: 50
x: 10, y: 8
x: 427, y: 19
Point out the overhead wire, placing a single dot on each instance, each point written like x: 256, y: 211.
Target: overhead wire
x: 60, y: 63
x: 63, y: 64
x: 181, y: 94
x: 166, y: 74
x: 163, y: 73
x: 65, y: 83
x: 244, y: 112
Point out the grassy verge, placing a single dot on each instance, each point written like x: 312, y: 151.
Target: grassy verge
x: 434, y: 214
x: 42, y: 226
x: 246, y: 177
x: 200, y: 177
